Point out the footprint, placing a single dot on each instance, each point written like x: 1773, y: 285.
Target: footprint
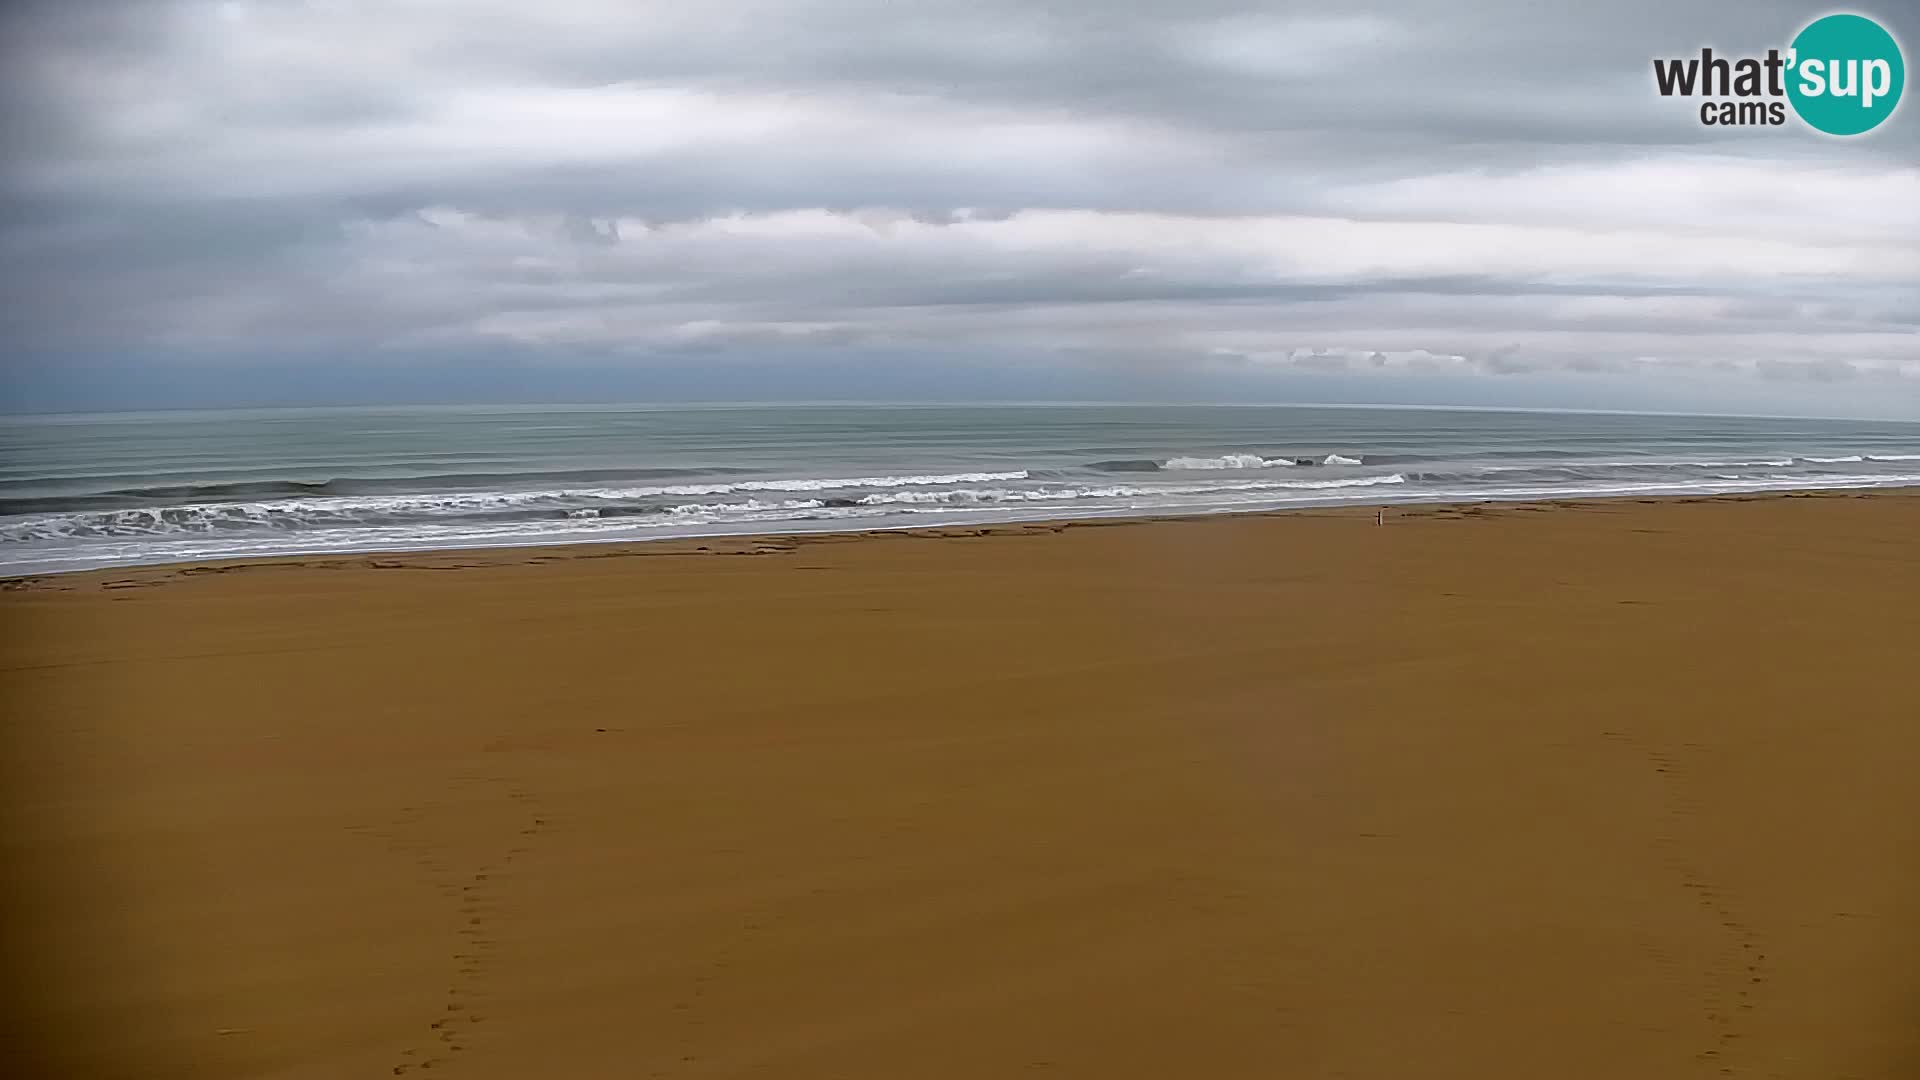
x: 1740, y: 954
x: 472, y: 904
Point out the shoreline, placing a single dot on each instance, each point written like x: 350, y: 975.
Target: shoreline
x: 700, y: 543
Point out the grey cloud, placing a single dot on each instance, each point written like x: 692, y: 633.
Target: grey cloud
x: 233, y: 176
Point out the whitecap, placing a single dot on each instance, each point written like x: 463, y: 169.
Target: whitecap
x: 1224, y: 461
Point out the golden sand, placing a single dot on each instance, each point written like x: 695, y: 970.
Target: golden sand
x: 1615, y: 790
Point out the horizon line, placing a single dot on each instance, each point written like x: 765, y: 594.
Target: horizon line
x: 6, y: 414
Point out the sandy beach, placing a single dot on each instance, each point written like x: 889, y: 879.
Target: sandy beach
x: 1583, y: 790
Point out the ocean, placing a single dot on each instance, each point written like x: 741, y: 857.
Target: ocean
x: 87, y: 491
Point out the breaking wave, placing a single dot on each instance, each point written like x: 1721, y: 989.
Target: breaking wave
x: 1225, y: 461
x: 157, y: 509
x: 592, y: 504
x: 1195, y: 463
x: 281, y: 488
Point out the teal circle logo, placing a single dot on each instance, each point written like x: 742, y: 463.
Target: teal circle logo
x: 1845, y: 74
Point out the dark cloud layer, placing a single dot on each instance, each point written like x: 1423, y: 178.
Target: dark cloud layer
x: 1401, y: 191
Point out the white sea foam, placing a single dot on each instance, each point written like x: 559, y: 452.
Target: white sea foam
x: 559, y: 514
x: 358, y: 509
x: 975, y: 496
x: 451, y: 516
x: 492, y: 499
x: 1774, y: 463
x: 750, y: 506
x: 956, y: 504
x: 930, y: 480
x: 157, y: 491
x: 1633, y: 463
x: 1225, y: 461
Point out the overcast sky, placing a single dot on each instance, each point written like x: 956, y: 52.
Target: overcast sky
x: 229, y: 201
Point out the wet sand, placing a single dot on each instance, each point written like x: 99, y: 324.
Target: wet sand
x: 1604, y: 789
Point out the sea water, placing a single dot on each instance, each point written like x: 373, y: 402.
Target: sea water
x: 85, y: 491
